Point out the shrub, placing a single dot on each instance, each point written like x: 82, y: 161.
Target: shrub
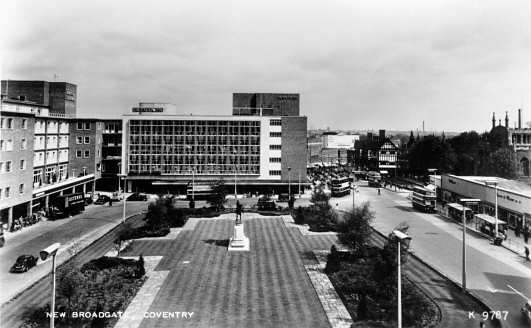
x: 299, y: 216
x: 354, y: 230
x: 333, y: 263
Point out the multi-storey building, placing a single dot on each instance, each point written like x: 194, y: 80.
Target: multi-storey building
x: 111, y: 154
x: 165, y: 152
x: 16, y: 158
x: 41, y: 136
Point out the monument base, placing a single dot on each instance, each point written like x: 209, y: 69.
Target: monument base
x: 239, y: 242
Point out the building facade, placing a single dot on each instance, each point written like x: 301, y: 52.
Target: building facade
x: 514, y: 197
x: 266, y: 104
x: 40, y: 145
x: 165, y: 152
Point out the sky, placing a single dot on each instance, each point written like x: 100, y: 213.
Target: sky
x: 357, y: 64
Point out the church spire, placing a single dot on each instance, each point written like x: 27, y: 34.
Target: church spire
x: 493, y: 120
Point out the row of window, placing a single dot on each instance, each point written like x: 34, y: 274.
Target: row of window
x: 85, y: 153
x: 275, y: 160
x: 5, y: 167
x: 275, y: 134
x: 275, y: 147
x: 188, y: 169
x: 83, y: 125
x: 188, y: 140
x: 196, y: 130
x: 192, y: 123
x: 8, y: 123
x: 275, y: 172
x: 275, y: 122
x: 6, y: 193
x: 80, y: 140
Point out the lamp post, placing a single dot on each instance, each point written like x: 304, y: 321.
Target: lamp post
x: 434, y: 171
x: 495, y: 183
x: 235, y: 177
x: 289, y: 182
x: 400, y: 237
x: 44, y: 254
x: 123, y: 210
x: 465, y: 201
x: 299, y: 184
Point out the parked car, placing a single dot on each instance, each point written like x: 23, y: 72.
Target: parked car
x: 266, y: 204
x: 23, y: 263
x: 283, y: 197
x: 526, y: 311
x: 137, y: 197
x: 102, y: 199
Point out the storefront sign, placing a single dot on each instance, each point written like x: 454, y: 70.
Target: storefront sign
x: 148, y: 109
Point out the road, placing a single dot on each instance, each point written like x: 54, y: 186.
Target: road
x: 39, y: 292
x: 437, y: 241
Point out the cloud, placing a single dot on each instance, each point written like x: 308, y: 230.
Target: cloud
x: 357, y: 64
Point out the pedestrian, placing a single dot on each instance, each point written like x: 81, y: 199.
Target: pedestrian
x: 378, y: 191
x: 110, y: 202
x: 517, y: 230
x: 526, y: 233
x: 526, y: 253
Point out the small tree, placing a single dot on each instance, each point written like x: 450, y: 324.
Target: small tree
x: 157, y: 215
x: 354, y: 230
x: 319, y: 196
x: 140, y: 270
x: 218, y: 195
x: 299, y: 216
x: 333, y: 262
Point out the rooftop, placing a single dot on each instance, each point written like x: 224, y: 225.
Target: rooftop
x: 505, y: 184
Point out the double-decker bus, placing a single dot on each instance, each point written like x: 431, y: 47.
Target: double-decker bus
x: 374, y: 179
x: 423, y: 199
x: 340, y: 186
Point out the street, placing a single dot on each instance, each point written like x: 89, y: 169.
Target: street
x: 72, y: 233
x: 437, y: 241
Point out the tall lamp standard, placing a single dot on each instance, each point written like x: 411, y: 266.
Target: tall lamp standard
x: 124, y: 176
x: 465, y: 201
x: 495, y: 184
x: 44, y: 254
x: 434, y: 171
x: 401, y: 238
x: 289, y: 182
x: 235, y: 176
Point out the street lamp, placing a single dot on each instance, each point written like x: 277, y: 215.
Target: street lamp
x: 434, y: 171
x: 400, y: 237
x: 495, y: 183
x: 45, y: 253
x: 465, y: 201
x: 235, y: 177
x: 289, y: 182
x: 123, y: 211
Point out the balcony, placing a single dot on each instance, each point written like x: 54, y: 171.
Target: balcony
x: 39, y: 188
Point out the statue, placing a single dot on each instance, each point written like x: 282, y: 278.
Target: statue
x: 239, y: 209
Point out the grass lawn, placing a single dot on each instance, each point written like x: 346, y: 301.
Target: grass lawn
x: 266, y: 287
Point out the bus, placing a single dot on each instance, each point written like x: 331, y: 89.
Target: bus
x: 374, y: 179
x: 340, y: 186
x: 423, y: 199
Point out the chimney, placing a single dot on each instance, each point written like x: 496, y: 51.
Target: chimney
x: 507, y: 119
x: 382, y: 135
x: 519, y: 118
x: 493, y: 120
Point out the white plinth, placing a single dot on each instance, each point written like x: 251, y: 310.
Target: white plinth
x: 239, y: 242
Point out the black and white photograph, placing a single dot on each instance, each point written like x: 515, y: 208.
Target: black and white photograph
x: 265, y: 164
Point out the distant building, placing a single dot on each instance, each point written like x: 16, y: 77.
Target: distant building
x: 376, y: 153
x: 266, y: 104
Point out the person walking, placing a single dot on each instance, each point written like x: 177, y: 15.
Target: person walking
x: 517, y: 230
x: 526, y: 233
x: 110, y: 202
x: 378, y: 191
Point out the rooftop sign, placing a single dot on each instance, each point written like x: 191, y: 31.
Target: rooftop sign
x: 148, y: 109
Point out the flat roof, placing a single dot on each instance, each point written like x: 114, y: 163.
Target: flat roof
x: 505, y: 184
x: 489, y: 219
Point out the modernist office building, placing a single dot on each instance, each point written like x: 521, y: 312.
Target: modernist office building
x: 164, y: 151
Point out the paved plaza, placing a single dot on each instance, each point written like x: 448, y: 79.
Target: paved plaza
x: 265, y: 287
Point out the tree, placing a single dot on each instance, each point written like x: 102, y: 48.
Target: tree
x: 333, y: 262
x: 218, y: 195
x: 354, y: 230
x: 502, y: 163
x: 157, y: 215
x: 299, y: 216
x: 319, y: 196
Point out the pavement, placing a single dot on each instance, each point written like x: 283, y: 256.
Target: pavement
x: 73, y: 233
x: 497, y: 276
